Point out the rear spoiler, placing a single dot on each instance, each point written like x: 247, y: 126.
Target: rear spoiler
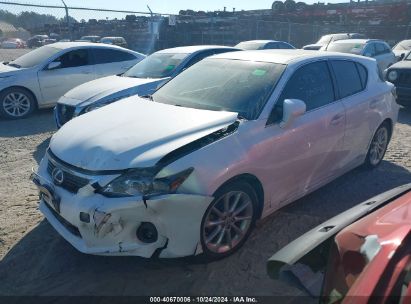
x: 316, y: 241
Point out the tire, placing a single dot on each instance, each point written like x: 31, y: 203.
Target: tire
x: 378, y: 147
x: 16, y: 103
x: 215, y: 239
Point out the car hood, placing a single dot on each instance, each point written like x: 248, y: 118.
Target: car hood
x: 109, y: 87
x: 6, y: 70
x: 312, y: 47
x: 403, y: 64
x: 133, y: 133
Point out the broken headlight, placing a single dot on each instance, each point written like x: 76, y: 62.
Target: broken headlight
x: 143, y: 182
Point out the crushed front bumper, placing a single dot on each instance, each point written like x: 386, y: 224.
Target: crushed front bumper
x: 108, y: 226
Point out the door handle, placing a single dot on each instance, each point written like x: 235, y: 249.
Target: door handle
x: 336, y: 119
x: 86, y: 72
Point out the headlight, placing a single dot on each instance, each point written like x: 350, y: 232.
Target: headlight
x: 143, y: 182
x: 392, y: 75
x: 94, y: 107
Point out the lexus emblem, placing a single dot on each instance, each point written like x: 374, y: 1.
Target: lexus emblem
x: 58, y: 176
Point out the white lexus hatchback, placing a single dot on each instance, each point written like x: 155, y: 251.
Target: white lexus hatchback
x: 222, y: 145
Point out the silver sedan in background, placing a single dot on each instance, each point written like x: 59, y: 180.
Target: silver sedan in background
x: 39, y: 78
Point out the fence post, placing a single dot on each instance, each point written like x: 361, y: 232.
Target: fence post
x: 67, y: 20
x: 289, y: 30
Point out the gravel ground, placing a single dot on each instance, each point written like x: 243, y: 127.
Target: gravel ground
x: 10, y: 54
x: 35, y: 260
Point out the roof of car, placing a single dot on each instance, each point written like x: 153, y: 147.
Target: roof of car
x: 259, y: 41
x: 74, y: 44
x: 283, y: 56
x: 194, y: 48
x: 359, y: 41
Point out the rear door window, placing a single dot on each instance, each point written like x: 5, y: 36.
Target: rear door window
x: 348, y: 79
x: 102, y: 56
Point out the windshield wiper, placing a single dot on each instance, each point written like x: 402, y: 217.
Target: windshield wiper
x: 14, y: 65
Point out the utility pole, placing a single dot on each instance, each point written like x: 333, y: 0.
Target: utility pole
x: 67, y: 20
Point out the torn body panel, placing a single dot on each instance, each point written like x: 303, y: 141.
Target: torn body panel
x: 113, y: 222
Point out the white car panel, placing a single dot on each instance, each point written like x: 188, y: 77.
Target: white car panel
x: 54, y: 83
x: 48, y: 85
x: 171, y: 127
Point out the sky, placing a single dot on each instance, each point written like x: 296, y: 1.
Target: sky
x: 166, y: 6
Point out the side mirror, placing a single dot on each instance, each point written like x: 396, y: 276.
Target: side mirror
x: 292, y: 108
x: 54, y: 65
x: 368, y: 54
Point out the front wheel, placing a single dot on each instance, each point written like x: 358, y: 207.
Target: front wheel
x: 16, y: 103
x: 378, y: 147
x: 229, y: 220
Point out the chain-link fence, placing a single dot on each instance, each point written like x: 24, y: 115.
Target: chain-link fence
x: 148, y: 31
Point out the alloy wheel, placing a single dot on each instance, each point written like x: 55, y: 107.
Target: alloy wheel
x: 228, y: 221
x: 378, y: 146
x: 16, y: 104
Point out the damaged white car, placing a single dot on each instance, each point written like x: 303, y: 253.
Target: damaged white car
x: 227, y: 142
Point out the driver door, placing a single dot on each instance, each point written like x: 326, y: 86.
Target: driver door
x: 75, y: 69
x: 307, y: 153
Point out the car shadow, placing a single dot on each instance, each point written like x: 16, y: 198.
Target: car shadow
x: 40, y: 122
x: 43, y: 263
x: 404, y: 115
x: 38, y: 154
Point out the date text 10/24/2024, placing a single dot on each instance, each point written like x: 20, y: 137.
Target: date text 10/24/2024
x: 204, y: 299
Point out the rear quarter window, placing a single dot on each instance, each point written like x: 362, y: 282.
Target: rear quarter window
x: 362, y: 71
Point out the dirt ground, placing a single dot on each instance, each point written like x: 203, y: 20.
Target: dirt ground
x: 35, y: 260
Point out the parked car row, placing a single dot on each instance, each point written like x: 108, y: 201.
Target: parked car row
x: 41, y: 40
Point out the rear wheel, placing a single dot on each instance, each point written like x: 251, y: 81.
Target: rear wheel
x: 378, y: 147
x: 229, y: 220
x: 16, y: 103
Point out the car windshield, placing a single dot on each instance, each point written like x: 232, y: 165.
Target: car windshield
x: 157, y: 65
x: 223, y: 85
x: 327, y: 38
x: 35, y: 57
x: 250, y: 45
x: 352, y: 48
x: 403, y: 46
